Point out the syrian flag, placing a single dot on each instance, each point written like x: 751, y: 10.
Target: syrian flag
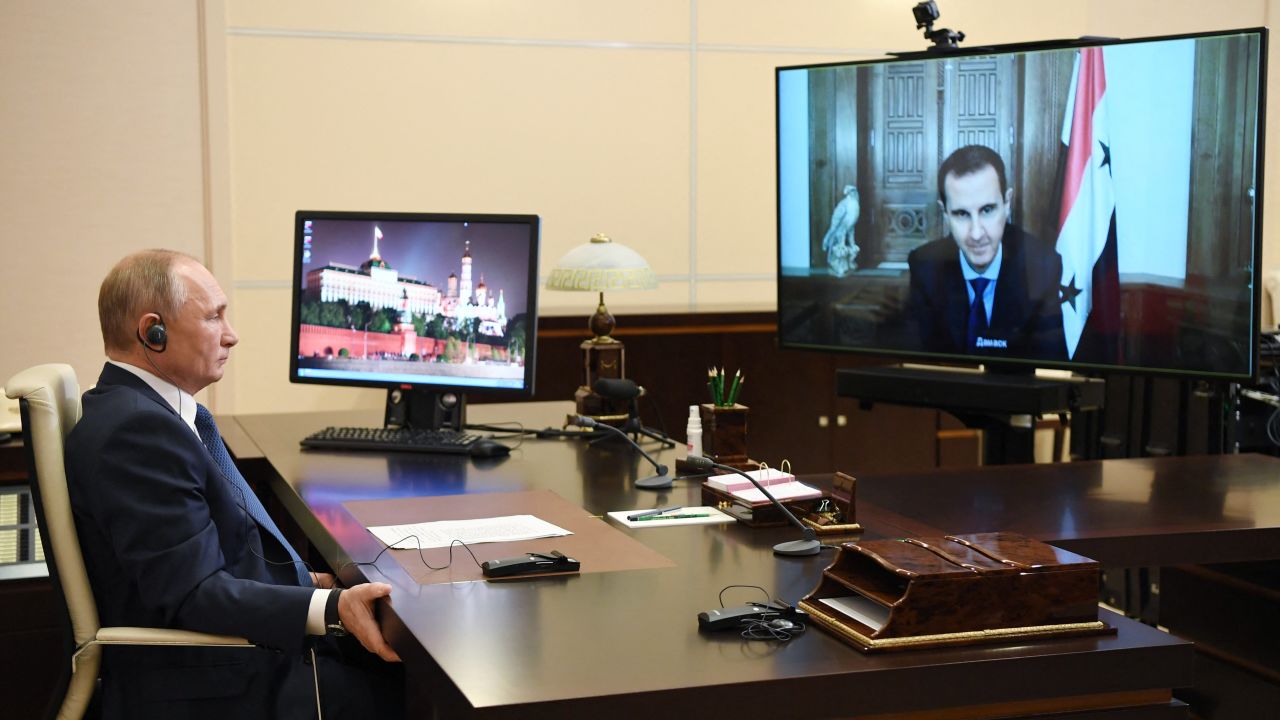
x: 1087, y: 229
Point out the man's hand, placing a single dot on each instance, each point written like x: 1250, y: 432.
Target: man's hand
x: 323, y: 581
x: 355, y: 609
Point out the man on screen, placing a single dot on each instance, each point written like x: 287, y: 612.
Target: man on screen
x: 989, y: 288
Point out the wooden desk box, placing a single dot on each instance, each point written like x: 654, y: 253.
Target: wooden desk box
x: 766, y: 514
x: 957, y: 590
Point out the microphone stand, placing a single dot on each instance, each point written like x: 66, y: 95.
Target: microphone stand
x: 808, y: 546
x: 622, y: 389
x: 634, y: 426
x: 661, y: 481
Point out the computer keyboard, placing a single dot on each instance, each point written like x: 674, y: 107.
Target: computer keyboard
x: 402, y: 439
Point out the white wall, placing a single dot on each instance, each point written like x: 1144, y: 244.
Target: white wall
x: 212, y: 122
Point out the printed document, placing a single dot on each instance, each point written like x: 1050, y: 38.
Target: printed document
x: 864, y: 610
x: 442, y: 533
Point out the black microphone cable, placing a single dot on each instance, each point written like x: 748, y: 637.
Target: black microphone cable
x: 146, y: 349
x: 660, y: 481
x: 780, y: 626
x: 657, y: 411
x: 418, y: 543
x: 243, y: 504
x: 809, y: 545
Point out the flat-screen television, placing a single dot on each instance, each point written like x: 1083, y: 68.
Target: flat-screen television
x: 1088, y: 204
x: 428, y: 305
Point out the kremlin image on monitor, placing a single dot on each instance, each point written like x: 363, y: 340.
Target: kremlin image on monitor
x: 439, y: 303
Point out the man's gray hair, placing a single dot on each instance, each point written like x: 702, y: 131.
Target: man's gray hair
x: 144, y: 282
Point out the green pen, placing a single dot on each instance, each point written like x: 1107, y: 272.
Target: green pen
x: 646, y: 518
x: 733, y: 389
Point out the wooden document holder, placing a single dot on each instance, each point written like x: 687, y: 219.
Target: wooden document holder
x: 955, y: 590
x: 816, y: 513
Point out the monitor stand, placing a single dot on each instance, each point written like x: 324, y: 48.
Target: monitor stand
x: 425, y: 409
x: 1001, y: 403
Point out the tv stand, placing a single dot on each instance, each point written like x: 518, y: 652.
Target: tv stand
x: 425, y: 409
x: 1001, y: 404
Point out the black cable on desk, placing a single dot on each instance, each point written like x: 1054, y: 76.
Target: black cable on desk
x: 418, y: 542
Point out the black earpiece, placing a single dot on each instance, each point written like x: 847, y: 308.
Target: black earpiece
x: 157, y: 337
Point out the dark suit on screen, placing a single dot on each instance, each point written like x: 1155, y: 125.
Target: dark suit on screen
x: 167, y: 543
x: 1026, y: 317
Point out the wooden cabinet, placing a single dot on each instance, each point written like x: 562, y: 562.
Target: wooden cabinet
x: 33, y: 625
x: 1232, y: 613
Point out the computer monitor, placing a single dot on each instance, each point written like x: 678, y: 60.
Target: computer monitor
x: 430, y: 306
x: 1106, y: 196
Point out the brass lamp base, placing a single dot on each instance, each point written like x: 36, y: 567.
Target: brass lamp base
x: 602, y: 323
x: 603, y: 358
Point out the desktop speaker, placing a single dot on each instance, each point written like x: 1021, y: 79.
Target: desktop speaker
x: 425, y: 409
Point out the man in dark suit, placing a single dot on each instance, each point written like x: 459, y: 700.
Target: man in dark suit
x: 988, y: 288
x: 173, y: 537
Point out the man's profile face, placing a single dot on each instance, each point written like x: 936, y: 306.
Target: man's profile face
x: 200, y: 338
x: 976, y: 214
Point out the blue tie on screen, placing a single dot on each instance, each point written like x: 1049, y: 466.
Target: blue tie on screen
x: 977, y: 312
x: 212, y: 440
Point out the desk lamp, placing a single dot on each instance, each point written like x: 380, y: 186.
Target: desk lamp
x: 596, y: 266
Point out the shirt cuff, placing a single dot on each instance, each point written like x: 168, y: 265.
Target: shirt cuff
x: 315, y: 612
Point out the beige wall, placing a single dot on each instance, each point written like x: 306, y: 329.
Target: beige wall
x: 206, y: 125
x: 100, y: 154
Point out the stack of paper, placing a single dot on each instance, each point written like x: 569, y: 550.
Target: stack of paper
x: 781, y: 485
x: 794, y: 490
x: 766, y: 476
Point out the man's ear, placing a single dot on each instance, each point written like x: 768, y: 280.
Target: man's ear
x: 1008, y: 197
x: 943, y: 207
x: 145, y: 322
x: 151, y: 332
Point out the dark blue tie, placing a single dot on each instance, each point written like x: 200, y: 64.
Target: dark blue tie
x: 977, y: 312
x: 212, y: 440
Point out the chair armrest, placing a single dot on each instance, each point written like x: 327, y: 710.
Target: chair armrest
x: 150, y: 636
x: 163, y: 636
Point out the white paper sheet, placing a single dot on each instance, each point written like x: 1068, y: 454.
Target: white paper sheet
x: 864, y: 610
x: 442, y: 533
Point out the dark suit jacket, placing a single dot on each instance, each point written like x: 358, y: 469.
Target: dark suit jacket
x: 1025, y: 314
x: 167, y: 544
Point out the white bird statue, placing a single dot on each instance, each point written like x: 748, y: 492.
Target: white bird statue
x: 838, y: 242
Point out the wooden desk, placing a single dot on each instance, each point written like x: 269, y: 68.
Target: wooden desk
x: 625, y: 644
x: 1122, y: 513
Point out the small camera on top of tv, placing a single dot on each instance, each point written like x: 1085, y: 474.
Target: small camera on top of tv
x: 926, y: 12
x: 943, y: 38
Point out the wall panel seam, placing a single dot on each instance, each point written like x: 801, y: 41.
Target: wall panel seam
x: 542, y: 42
x: 693, y: 153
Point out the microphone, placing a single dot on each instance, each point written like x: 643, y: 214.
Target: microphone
x: 617, y: 388
x: 661, y: 481
x: 808, y: 546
